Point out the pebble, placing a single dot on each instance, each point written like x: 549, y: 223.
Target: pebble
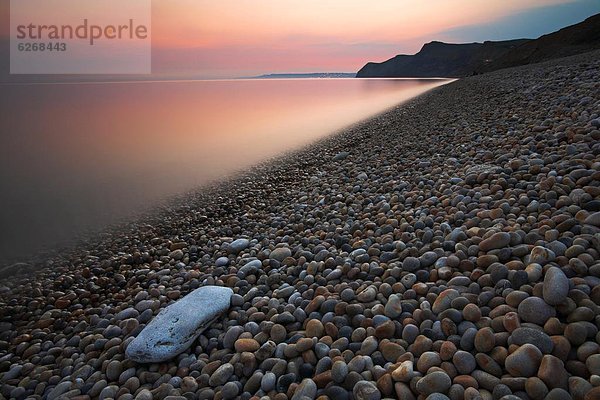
x: 306, y: 389
x: 367, y: 295
x: 444, y: 299
x: 411, y: 264
x: 471, y: 313
x: 339, y: 371
x: 556, y: 286
x: 558, y: 394
x: 593, y: 219
x: 221, y: 375
x: 427, y: 360
x: 496, y: 241
x: 576, y: 333
x: 268, y: 382
x: 435, y: 382
x: 552, y: 371
x: 579, y: 387
x: 314, y: 328
x: 278, y: 333
x: 541, y: 255
x: 593, y: 394
x: 221, y: 261
x: 113, y: 370
x: 464, y: 362
x: 144, y: 394
x: 238, y: 245
x: 536, y: 388
x: 393, y: 307
x: 230, y: 390
x: 280, y: 253
x: 231, y: 336
x: 250, y: 268
x: 364, y: 390
x: 535, y: 310
x: 593, y: 364
x: 250, y: 345
x: 538, y: 338
x: 484, y: 340
x: 524, y: 361
x: 404, y: 372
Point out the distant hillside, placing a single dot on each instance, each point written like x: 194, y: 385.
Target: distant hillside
x: 574, y: 39
x: 306, y: 75
x: 437, y: 59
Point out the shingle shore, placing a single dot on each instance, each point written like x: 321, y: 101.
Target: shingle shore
x: 448, y: 248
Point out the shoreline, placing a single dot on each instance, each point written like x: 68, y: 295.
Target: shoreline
x: 454, y: 249
x: 171, y: 203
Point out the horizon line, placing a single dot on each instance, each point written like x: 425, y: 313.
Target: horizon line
x: 206, y: 80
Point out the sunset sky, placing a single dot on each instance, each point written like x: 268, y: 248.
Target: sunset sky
x: 232, y: 38
x: 245, y: 37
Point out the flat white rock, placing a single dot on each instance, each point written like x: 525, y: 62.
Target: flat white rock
x: 178, y: 325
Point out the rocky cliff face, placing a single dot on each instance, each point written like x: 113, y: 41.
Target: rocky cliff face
x: 574, y: 39
x: 437, y: 59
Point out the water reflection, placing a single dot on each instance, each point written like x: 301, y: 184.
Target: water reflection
x: 78, y: 156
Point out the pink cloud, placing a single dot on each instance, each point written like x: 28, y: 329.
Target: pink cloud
x: 241, y: 37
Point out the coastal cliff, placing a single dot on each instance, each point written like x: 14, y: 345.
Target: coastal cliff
x: 574, y: 39
x: 437, y: 59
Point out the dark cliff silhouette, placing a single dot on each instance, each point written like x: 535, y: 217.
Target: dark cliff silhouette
x: 574, y: 39
x: 437, y: 59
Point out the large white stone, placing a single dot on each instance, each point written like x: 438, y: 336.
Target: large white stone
x: 177, y: 326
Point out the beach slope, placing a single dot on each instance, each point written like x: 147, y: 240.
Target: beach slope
x: 449, y: 245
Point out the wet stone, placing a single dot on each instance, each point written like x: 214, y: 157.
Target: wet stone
x: 524, y: 361
x: 435, y: 382
x: 556, y: 286
x: 538, y: 338
x: 535, y: 310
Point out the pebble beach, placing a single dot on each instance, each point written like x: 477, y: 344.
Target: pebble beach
x: 448, y: 248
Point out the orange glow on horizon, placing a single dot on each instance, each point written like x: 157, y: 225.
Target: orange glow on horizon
x: 195, y: 24
x: 278, y: 35
x: 242, y: 37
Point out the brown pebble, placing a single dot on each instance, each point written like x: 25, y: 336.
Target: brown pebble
x: 471, y: 313
x: 552, y: 372
x: 249, y: 345
x: 485, y: 340
x: 314, y: 328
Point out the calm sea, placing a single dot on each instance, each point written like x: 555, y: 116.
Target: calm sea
x: 76, y: 157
